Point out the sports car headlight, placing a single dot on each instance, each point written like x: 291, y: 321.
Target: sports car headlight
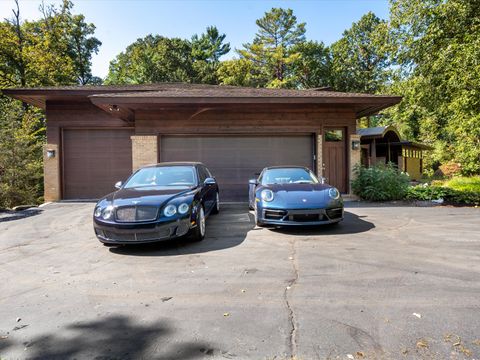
x: 267, y: 195
x: 98, y: 212
x: 170, y: 210
x: 107, y: 212
x: 333, y: 193
x: 183, y: 208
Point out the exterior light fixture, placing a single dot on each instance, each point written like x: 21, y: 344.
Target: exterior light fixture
x: 114, y: 108
x: 355, y: 144
x: 50, y: 153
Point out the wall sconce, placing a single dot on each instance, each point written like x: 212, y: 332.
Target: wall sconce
x: 114, y: 108
x: 50, y: 154
x: 355, y: 145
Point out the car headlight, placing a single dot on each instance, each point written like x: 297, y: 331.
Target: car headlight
x: 107, y: 212
x: 170, y: 210
x: 98, y: 212
x: 183, y: 208
x: 267, y: 195
x: 333, y: 193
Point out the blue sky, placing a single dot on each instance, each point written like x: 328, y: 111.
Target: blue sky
x: 121, y: 22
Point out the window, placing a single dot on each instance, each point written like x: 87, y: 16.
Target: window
x: 288, y: 176
x: 334, y: 135
x: 162, y: 176
x: 202, y: 174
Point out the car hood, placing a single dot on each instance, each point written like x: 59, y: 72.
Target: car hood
x: 149, y: 195
x: 299, y: 195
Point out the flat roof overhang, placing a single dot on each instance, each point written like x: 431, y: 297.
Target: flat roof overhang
x: 123, y: 101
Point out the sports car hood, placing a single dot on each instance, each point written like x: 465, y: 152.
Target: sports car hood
x: 148, y: 195
x: 299, y: 195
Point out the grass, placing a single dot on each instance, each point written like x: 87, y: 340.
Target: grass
x: 464, y: 184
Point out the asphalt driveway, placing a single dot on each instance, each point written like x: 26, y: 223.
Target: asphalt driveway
x: 387, y: 283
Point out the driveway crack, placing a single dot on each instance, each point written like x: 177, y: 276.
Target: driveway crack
x: 287, y: 295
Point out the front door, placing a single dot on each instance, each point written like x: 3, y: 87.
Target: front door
x: 335, y: 158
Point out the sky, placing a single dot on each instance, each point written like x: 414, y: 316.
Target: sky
x: 121, y: 22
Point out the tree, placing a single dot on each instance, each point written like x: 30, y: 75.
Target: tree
x: 153, y: 59
x: 360, y: 59
x: 207, y: 49
x: 272, y: 50
x: 159, y: 59
x: 314, y: 65
x: 437, y: 50
x: 21, y: 156
x: 52, y: 51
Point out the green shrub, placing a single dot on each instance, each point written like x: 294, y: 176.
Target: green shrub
x: 449, y: 195
x: 469, y: 184
x: 380, y: 183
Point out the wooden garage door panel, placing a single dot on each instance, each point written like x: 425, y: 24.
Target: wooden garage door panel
x: 94, y: 160
x: 234, y: 160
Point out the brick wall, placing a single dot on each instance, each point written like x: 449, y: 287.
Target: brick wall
x: 144, y: 150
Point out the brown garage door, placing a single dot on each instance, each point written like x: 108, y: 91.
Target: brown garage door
x: 93, y: 160
x: 235, y: 159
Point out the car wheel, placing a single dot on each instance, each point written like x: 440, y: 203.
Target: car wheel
x: 216, y: 206
x: 198, y: 232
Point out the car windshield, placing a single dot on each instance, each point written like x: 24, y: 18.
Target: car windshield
x: 288, y: 176
x: 163, y: 176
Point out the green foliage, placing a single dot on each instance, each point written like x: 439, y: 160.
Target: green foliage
x: 360, y: 59
x: 54, y: 50
x: 21, y: 137
x: 451, y: 195
x: 159, y: 59
x: 464, y: 183
x: 437, y: 51
x: 272, y: 52
x: 380, y: 183
x: 312, y: 68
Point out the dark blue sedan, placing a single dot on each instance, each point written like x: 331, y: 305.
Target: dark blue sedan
x: 293, y: 195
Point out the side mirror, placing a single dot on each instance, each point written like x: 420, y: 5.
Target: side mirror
x: 323, y: 180
x: 210, y: 181
x: 253, y: 181
x: 118, y: 184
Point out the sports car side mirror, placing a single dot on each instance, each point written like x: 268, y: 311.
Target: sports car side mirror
x: 118, y: 184
x: 253, y: 181
x: 323, y: 180
x: 210, y: 181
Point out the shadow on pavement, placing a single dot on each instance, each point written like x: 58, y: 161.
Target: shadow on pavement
x: 10, y: 215
x: 230, y: 228
x: 227, y: 229
x: 351, y: 224
x: 114, y: 337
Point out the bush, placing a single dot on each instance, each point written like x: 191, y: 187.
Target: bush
x: 380, y: 183
x: 449, y: 195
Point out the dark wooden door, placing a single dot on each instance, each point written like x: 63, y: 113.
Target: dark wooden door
x: 94, y: 160
x: 233, y: 160
x: 335, y: 158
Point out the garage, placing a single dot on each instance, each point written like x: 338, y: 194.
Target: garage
x: 233, y: 160
x: 97, y: 135
x: 94, y: 160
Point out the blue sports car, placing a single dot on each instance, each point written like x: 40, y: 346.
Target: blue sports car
x: 293, y: 195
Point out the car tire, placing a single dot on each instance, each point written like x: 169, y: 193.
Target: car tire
x: 216, y: 206
x: 257, y: 223
x: 198, y: 232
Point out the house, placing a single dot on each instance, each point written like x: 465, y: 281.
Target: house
x: 383, y: 144
x: 97, y: 135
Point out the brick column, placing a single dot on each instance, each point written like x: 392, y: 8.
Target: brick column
x: 355, y: 157
x: 51, y: 173
x: 319, y: 155
x: 144, y: 150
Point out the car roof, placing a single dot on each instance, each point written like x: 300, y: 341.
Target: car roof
x: 175, y: 163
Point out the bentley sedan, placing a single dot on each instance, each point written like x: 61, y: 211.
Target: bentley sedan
x: 158, y: 202
x: 293, y: 196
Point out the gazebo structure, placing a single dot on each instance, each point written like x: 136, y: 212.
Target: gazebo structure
x: 383, y: 144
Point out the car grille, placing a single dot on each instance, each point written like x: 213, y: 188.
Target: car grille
x: 125, y: 237
x: 275, y: 214
x: 306, y: 217
x: 136, y: 213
